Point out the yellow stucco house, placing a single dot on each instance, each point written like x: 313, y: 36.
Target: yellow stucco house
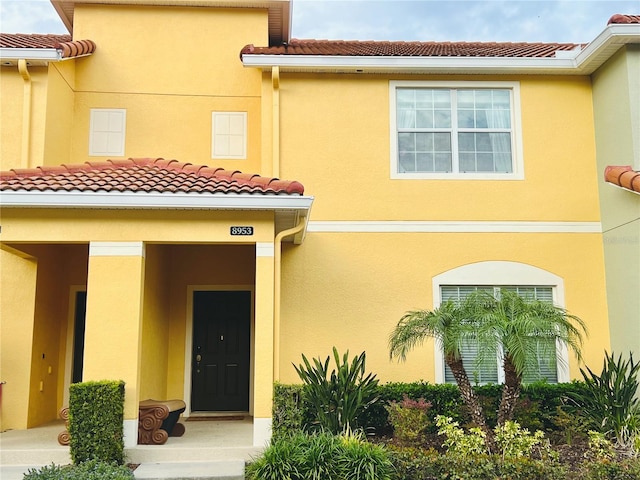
x: 191, y: 199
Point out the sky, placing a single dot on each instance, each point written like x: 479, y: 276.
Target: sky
x: 574, y: 21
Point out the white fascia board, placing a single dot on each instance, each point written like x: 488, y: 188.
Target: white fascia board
x: 430, y: 64
x: 601, y: 48
x: 39, y: 54
x: 133, y: 201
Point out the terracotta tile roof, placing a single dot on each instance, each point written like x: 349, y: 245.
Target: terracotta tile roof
x: 619, y: 18
x: 67, y: 46
x: 143, y: 175
x: 411, y: 49
x: 623, y: 176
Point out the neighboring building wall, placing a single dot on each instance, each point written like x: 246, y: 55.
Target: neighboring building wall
x: 616, y: 99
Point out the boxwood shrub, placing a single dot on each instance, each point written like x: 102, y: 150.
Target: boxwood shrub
x: 90, y: 470
x: 96, y: 411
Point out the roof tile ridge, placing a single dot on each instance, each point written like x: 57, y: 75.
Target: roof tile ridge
x: 21, y: 172
x: 228, y: 174
x: 621, y: 18
x: 77, y: 47
x: 101, y: 165
x: 209, y: 172
x: 613, y: 172
x: 121, y: 162
x: 247, y: 177
x: 286, y: 186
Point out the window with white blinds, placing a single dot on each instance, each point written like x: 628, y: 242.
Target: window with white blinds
x: 491, y: 371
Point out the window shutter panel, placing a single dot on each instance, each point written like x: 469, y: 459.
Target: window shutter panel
x: 546, y: 369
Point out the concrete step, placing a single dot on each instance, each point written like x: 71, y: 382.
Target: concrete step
x: 214, y: 470
x: 218, y: 470
x: 165, y: 453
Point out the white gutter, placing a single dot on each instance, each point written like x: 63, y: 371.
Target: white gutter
x: 588, y: 60
x: 182, y: 201
x: 26, y: 114
x: 36, y: 54
x: 378, y: 63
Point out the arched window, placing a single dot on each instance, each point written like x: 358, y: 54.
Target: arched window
x: 492, y: 276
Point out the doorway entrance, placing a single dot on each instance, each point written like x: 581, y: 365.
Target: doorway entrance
x: 220, y: 356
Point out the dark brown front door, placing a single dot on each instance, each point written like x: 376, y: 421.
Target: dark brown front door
x: 220, y: 357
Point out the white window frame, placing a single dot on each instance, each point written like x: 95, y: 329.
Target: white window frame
x: 496, y: 274
x: 116, y: 134
x: 215, y: 136
x: 516, y: 131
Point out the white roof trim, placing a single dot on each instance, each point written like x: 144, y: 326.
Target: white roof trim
x: 584, y: 62
x: 182, y: 201
x: 40, y: 54
x: 380, y: 63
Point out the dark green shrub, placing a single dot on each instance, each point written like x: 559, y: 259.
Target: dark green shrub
x: 96, y: 411
x: 339, y: 397
x: 417, y: 464
x: 90, y: 470
x: 409, y: 419
x: 288, y: 410
x: 626, y: 469
x: 537, y: 409
x: 321, y: 456
x: 444, y: 399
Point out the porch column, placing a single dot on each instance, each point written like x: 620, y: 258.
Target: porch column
x: 263, y: 364
x: 113, y: 340
x: 18, y: 294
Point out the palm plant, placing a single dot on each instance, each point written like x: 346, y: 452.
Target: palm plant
x: 449, y: 325
x: 525, y: 329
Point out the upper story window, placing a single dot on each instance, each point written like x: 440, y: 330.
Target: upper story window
x: 455, y: 130
x: 107, y: 132
x: 229, y: 135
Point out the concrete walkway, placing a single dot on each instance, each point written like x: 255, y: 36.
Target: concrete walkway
x: 215, y: 450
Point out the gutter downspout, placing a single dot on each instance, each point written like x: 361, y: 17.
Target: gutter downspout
x: 26, y: 114
x: 275, y: 121
x: 276, y: 293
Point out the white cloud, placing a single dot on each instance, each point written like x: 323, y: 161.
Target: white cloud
x: 29, y: 16
x: 425, y: 20
x: 457, y: 20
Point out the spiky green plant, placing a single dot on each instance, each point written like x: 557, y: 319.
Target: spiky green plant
x: 340, y: 396
x: 611, y: 400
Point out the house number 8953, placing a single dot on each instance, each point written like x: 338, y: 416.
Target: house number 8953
x: 241, y: 231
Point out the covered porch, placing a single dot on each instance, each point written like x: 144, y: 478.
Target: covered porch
x: 174, y: 293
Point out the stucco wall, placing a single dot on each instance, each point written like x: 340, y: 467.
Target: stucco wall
x: 616, y: 99
x: 337, y: 144
x: 350, y: 290
x: 12, y: 117
x: 168, y: 84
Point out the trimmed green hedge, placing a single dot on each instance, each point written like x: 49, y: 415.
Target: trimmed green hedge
x: 91, y: 470
x: 537, y: 409
x: 96, y: 412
